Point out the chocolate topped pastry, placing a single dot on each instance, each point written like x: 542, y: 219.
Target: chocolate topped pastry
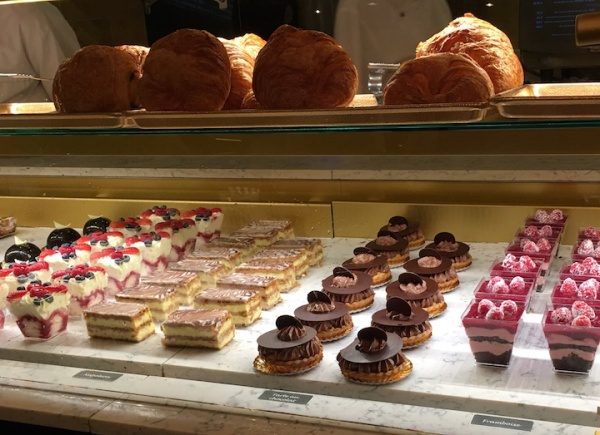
x: 395, y: 248
x: 23, y: 252
x: 399, y: 317
x: 368, y: 261
x: 418, y: 292
x: 351, y: 288
x: 431, y: 264
x: 331, y: 321
x: 291, y: 348
x: 410, y: 231
x: 375, y: 357
x: 60, y: 236
x: 96, y: 225
x: 457, y: 252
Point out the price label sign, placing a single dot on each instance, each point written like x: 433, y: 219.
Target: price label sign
x: 285, y: 397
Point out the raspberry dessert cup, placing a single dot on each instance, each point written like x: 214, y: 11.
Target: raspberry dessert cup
x: 517, y: 289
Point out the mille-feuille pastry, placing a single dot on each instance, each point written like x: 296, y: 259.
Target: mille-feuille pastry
x: 395, y: 248
x: 98, y: 224
x: 198, y: 328
x: 66, y: 256
x: 282, y: 271
x: 209, y: 271
x: 244, y: 305
x: 351, y: 288
x: 161, y: 300
x: 131, y: 226
x: 21, y: 251
x: 411, y: 231
x: 262, y: 236
x: 123, y: 267
x: 246, y: 245
x: 17, y: 276
x: 102, y: 240
x: 296, y: 257
x: 119, y: 321
x: 374, y: 358
x: 86, y: 285
x: 187, y: 284
x: 61, y: 237
x: 183, y: 237
x: 265, y: 285
x: 303, y: 69
x: 160, y: 213
x: 331, y: 321
x: 290, y: 349
x: 418, y: 292
x: 155, y: 249
x: 431, y: 264
x: 8, y: 226
x: 366, y: 260
x: 313, y: 247
x: 284, y: 227
x: 446, y: 244
x: 411, y: 324
x: 208, y: 222
x: 229, y: 257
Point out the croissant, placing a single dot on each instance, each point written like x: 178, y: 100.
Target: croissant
x: 249, y: 101
x: 242, y: 67
x: 251, y: 43
x: 438, y: 78
x: 303, y: 69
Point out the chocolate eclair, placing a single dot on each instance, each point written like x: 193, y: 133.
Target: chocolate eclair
x: 410, y: 231
x: 431, y: 264
x: 395, y: 248
x: 366, y: 260
x: 375, y: 358
x: 410, y: 324
x: 331, y: 321
x: 290, y: 349
x: 418, y: 292
x: 351, y: 288
x: 457, y: 252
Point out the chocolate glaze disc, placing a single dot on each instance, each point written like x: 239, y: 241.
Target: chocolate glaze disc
x: 60, y: 236
x: 99, y: 224
x: 302, y: 313
x: 393, y: 290
x: 363, y: 282
x: 269, y: 340
x: 413, y: 266
x: 317, y: 296
x: 363, y: 250
x: 379, y: 261
x: 381, y: 318
x: 353, y: 355
x: 400, y: 245
x: 411, y: 227
x: 462, y: 249
x: 342, y: 271
x: 22, y: 252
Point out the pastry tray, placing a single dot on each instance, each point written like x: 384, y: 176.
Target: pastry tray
x: 558, y: 100
x: 44, y: 116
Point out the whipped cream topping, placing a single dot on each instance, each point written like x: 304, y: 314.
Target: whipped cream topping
x: 447, y: 246
x: 320, y: 307
x: 343, y: 281
x: 363, y: 258
x: 414, y: 289
x: 429, y: 262
x: 291, y: 333
x: 386, y: 241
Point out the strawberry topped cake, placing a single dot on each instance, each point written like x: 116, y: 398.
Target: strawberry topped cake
x: 131, y: 226
x: 208, y: 222
x: 42, y: 311
x: 183, y: 237
x: 85, y: 284
x: 158, y: 214
x: 123, y: 267
x: 155, y: 249
x: 20, y: 275
x: 99, y: 241
x: 66, y: 255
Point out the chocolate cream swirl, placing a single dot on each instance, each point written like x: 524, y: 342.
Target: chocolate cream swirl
x: 303, y: 351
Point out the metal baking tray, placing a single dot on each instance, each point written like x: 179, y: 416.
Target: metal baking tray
x: 557, y: 100
x: 44, y: 116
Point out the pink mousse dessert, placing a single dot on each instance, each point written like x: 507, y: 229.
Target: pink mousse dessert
x: 555, y: 218
x: 183, y: 237
x: 20, y: 275
x: 131, y: 226
x: 155, y: 249
x: 537, y: 231
x: 86, y: 285
x: 592, y: 233
x: 99, y: 241
x: 491, y: 326
x: 573, y: 334
x: 586, y: 248
x: 160, y: 213
x: 123, y: 267
x: 66, y: 256
x: 208, y: 222
x: 517, y: 288
x: 581, y: 270
x: 41, y: 311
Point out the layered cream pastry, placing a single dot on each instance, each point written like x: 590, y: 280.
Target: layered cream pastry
x: 198, y: 328
x: 159, y: 214
x: 246, y: 245
x: 266, y: 286
x: 161, y: 300
x: 186, y: 284
x: 20, y: 275
x: 331, y: 321
x: 183, y: 237
x: 457, y: 252
x: 313, y: 248
x: 66, y: 256
x: 282, y: 226
x: 86, y: 285
x: 8, y: 225
x: 283, y: 272
x: 99, y: 241
x: 410, y: 231
x: 119, y: 321
x: 376, y: 266
x: 261, y: 236
x: 155, y: 249
x: 208, y: 270
x: 131, y: 226
x: 244, y: 305
x: 393, y: 247
x: 230, y: 257
x: 296, y: 257
x: 42, y: 311
x: 123, y: 267
x: 351, y: 288
x: 431, y: 264
x: 208, y: 222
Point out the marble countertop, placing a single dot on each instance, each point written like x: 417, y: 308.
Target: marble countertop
x: 445, y: 383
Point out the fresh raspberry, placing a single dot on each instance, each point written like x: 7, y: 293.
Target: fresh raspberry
x: 544, y: 245
x: 591, y: 232
x: 500, y: 288
x: 582, y: 321
x: 545, y: 231
x: 484, y: 306
x: 557, y: 215
x: 568, y: 287
x: 493, y: 281
x: 517, y: 285
x: 561, y: 315
x: 578, y: 269
x: 495, y: 313
x: 531, y: 231
x: 530, y: 247
x: 518, y: 267
x: 508, y: 261
x: 528, y: 262
x: 596, y: 253
x: 594, y: 270
x: 542, y: 216
x: 509, y: 308
x: 589, y: 262
x: 588, y: 290
x: 580, y: 308
x: 586, y: 248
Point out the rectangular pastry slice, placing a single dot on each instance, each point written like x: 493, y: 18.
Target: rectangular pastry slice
x: 186, y: 284
x: 265, y: 285
x: 283, y: 226
x: 119, y: 321
x: 208, y: 270
x: 227, y: 256
x: 8, y: 226
x: 161, y: 300
x: 313, y: 247
x: 246, y: 245
x: 295, y: 256
x: 262, y: 236
x: 283, y: 272
x: 198, y: 328
x: 244, y: 305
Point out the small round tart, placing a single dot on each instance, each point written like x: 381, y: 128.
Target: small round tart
x: 410, y: 324
x: 351, y: 288
x: 98, y: 224
x: 457, y: 252
x: 411, y: 231
x: 395, y: 248
x: 418, y: 292
x: 375, y: 358
x: 331, y: 321
x: 290, y: 349
x: 431, y: 264
x: 366, y: 260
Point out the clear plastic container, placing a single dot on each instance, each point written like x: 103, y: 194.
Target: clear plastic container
x: 481, y: 291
